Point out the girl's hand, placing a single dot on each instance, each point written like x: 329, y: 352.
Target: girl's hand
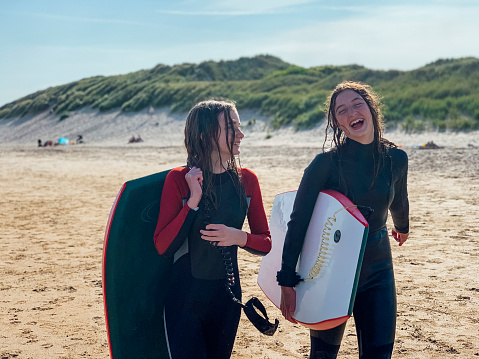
x: 224, y: 236
x: 288, y: 303
x: 194, y: 179
x: 399, y: 237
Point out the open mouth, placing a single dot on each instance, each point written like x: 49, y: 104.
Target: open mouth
x: 356, y: 124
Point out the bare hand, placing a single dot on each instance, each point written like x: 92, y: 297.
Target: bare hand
x: 194, y: 179
x: 223, y: 235
x: 288, y: 303
x: 399, y: 237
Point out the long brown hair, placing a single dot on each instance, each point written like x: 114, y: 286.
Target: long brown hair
x: 373, y: 100
x: 202, y: 130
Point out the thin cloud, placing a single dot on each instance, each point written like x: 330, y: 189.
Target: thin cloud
x: 347, y: 8
x: 401, y: 37
x: 243, y: 8
x: 211, y: 13
x: 263, y: 5
x: 386, y: 37
x: 79, y: 19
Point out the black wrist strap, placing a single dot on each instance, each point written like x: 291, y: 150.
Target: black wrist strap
x: 288, y: 279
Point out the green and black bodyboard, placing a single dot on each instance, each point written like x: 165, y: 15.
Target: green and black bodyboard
x: 135, y: 276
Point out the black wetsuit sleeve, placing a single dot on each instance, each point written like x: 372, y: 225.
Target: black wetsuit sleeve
x: 399, y: 207
x: 314, y: 180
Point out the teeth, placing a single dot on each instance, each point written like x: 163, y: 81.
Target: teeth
x: 355, y: 122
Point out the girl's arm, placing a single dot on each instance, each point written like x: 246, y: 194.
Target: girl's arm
x: 175, y: 218
x: 314, y: 180
x: 259, y: 240
x: 399, y: 207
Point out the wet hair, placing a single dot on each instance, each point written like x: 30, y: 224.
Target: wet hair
x: 202, y: 131
x: 373, y: 100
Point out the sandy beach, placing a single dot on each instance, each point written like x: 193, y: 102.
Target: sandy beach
x: 55, y: 203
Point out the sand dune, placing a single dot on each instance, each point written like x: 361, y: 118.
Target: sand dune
x: 162, y: 128
x: 55, y: 203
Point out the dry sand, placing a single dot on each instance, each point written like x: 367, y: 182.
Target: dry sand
x: 55, y: 203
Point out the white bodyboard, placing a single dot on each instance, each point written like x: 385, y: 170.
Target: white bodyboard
x: 332, y: 255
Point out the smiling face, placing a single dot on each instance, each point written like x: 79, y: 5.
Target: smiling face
x: 230, y: 134
x: 354, y: 117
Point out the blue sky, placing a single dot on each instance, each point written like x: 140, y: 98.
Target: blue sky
x: 49, y: 43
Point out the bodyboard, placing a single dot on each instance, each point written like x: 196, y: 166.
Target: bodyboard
x: 330, y: 259
x: 135, y: 276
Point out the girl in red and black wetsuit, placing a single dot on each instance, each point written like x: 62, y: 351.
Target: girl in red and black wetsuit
x: 203, y: 207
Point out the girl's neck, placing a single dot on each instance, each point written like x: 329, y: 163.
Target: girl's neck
x: 218, y: 167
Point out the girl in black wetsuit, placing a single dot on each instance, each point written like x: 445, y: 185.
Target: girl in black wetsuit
x: 203, y: 206
x: 371, y: 172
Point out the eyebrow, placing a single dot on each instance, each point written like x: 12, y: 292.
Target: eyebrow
x: 354, y: 99
x: 357, y: 98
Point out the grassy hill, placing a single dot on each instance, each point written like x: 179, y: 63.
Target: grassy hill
x: 441, y: 95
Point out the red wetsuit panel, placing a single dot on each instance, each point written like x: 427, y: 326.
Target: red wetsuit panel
x: 260, y: 238
x: 172, y: 211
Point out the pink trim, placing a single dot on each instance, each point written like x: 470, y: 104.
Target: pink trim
x: 324, y: 325
x: 346, y: 202
x: 267, y: 296
x: 105, y: 244
x: 327, y: 324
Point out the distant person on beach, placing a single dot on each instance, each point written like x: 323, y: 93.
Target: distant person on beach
x: 134, y: 139
x: 39, y: 142
x: 372, y: 172
x: 203, y: 207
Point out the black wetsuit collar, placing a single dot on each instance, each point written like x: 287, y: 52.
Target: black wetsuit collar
x: 355, y: 145
x: 358, y: 151
x: 220, y: 178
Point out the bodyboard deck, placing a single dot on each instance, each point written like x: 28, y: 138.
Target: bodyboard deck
x: 135, y: 276
x: 331, y: 257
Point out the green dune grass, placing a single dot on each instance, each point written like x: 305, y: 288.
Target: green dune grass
x: 441, y: 95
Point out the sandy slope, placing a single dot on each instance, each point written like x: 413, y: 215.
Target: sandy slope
x: 163, y: 128
x: 55, y: 204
